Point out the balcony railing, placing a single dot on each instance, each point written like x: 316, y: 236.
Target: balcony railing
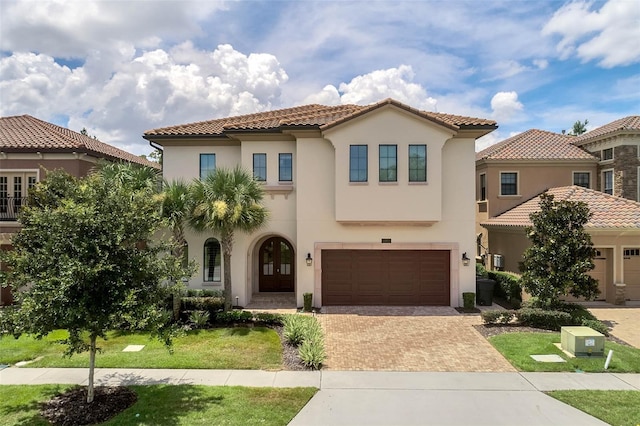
x: 10, y: 207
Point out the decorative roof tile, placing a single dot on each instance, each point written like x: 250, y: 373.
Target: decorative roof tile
x: 313, y: 116
x: 535, y: 144
x: 608, y: 211
x: 630, y: 124
x: 25, y: 133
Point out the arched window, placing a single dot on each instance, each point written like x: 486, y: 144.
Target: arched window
x: 212, y: 260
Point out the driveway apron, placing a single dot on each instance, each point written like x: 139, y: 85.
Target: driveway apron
x: 421, y: 338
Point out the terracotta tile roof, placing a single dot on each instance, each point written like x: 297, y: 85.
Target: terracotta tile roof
x: 630, y: 124
x: 313, y: 116
x: 535, y: 145
x: 25, y: 133
x: 608, y: 211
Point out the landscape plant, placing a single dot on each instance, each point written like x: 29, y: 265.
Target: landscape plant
x: 305, y: 332
x: 85, y: 261
x: 224, y: 202
x: 561, y: 253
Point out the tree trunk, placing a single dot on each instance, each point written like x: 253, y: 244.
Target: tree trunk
x: 227, y: 246
x: 178, y: 253
x: 92, y: 365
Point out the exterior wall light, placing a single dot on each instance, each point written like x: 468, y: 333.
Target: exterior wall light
x: 309, y: 259
x: 465, y: 259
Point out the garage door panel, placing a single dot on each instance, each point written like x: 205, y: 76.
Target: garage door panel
x: 631, y: 262
x: 385, y: 277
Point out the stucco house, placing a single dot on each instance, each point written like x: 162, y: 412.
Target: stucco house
x: 28, y: 148
x: 614, y: 228
x: 617, y: 146
x: 520, y: 168
x: 370, y: 205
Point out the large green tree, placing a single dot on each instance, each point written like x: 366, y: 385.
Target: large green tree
x: 561, y: 252
x: 85, y: 261
x: 224, y: 202
x: 579, y: 127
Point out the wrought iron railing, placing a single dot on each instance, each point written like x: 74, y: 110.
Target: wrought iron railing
x: 10, y: 207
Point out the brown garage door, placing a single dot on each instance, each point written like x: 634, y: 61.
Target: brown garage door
x: 385, y: 277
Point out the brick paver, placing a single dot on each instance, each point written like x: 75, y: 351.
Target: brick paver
x: 406, y: 339
x: 624, y: 322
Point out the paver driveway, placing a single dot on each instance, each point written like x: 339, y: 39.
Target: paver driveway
x: 406, y: 339
x: 624, y: 322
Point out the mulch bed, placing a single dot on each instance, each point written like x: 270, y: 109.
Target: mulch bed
x: 71, y: 408
x: 290, y: 359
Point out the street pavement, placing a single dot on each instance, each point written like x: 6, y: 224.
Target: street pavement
x: 381, y: 398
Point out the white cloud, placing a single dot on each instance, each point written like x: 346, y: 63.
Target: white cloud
x: 609, y: 35
x: 505, y: 106
x: 541, y: 64
x: 145, y: 91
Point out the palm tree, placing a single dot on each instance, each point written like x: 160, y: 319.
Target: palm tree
x: 174, y: 205
x: 226, y: 201
x: 133, y: 176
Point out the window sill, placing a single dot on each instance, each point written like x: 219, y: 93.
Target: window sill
x: 211, y: 284
x: 418, y: 183
x: 388, y: 183
x: 285, y: 182
x: 510, y: 196
x: 359, y: 183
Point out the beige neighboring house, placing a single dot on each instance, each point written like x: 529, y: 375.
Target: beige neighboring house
x: 617, y: 146
x: 614, y: 229
x: 370, y: 205
x: 520, y: 168
x: 28, y: 148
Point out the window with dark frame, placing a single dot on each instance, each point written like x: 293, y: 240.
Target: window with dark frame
x: 388, y: 158
x: 607, y: 182
x: 212, y: 260
x: 582, y: 179
x: 285, y: 169
x: 483, y: 186
x: 207, y: 165
x: 607, y: 154
x: 358, y: 163
x: 417, y: 163
x: 260, y: 167
x: 508, y: 183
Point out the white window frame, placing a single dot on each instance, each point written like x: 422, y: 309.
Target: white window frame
x: 602, y: 182
x: 573, y: 177
x: 517, y: 173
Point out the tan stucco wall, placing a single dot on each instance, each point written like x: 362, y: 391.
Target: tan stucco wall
x: 184, y: 161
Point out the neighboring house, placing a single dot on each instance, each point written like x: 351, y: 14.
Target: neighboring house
x: 520, y: 168
x: 369, y: 205
x: 617, y: 146
x: 28, y: 148
x: 614, y: 229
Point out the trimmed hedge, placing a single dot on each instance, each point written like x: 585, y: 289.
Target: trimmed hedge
x: 497, y: 317
x: 541, y: 318
x: 508, y: 286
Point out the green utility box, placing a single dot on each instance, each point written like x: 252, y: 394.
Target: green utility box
x: 582, y: 341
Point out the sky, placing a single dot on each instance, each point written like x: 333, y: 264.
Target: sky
x: 119, y: 68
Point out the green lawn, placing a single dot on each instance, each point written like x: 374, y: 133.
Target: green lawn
x: 618, y: 408
x: 221, y: 348
x: 172, y: 405
x: 517, y: 348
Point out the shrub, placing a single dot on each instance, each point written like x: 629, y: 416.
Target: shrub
x: 507, y: 286
x: 196, y: 303
x: 481, y: 271
x: 306, y: 333
x: 308, y: 297
x: 541, y: 318
x: 497, y: 317
x: 312, y: 352
x: 199, y: 318
x: 598, y: 326
x: 295, y: 328
x: 267, y: 318
x: 469, y: 300
x: 234, y: 317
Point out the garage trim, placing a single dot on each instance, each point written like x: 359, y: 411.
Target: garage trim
x: 454, y: 266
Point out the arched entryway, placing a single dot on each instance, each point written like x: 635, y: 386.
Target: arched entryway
x: 276, y: 266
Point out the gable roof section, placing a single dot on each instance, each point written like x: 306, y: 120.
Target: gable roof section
x: 608, y: 211
x: 626, y: 125
x: 535, y: 144
x: 308, y: 116
x: 25, y: 133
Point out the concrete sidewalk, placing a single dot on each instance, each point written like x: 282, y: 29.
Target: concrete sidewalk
x: 380, y: 398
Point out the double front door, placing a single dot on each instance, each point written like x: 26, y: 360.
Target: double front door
x: 276, y: 264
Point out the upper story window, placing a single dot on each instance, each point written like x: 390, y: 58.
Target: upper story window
x: 417, y: 163
x: 582, y: 179
x: 358, y: 161
x: 607, y: 154
x: 607, y: 182
x: 207, y: 164
x: 388, y: 163
x: 260, y: 167
x: 508, y: 183
x: 285, y: 168
x: 14, y: 188
x: 212, y: 260
x: 483, y: 186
